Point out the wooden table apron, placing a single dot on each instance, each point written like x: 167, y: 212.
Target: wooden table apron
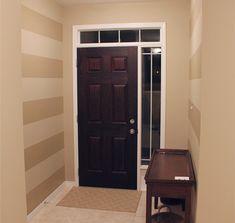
x: 168, y: 190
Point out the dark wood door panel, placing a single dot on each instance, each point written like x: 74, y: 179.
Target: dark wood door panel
x: 107, y: 92
x: 119, y: 103
x: 119, y: 64
x: 119, y: 154
x: 95, y: 154
x: 94, y: 64
x: 94, y: 106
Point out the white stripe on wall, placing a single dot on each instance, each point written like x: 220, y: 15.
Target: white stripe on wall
x: 193, y: 2
x: 195, y: 89
x: 196, y: 8
x: 44, y: 170
x: 43, y: 129
x: 40, y: 88
x: 196, y: 38
x: 39, y: 45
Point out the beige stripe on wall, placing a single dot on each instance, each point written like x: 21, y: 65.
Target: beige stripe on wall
x: 195, y: 119
x: 39, y: 173
x: 37, y: 23
x: 50, y: 9
x: 38, y: 131
x: 36, y: 66
x: 42, y: 150
x: 41, y: 109
x: 38, y: 194
x: 195, y: 146
x: 195, y: 64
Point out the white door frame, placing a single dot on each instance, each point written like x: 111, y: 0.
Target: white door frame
x: 162, y: 44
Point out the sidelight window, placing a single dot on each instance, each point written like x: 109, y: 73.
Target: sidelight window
x: 151, y: 102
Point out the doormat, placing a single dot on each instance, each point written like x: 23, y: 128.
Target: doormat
x: 102, y: 199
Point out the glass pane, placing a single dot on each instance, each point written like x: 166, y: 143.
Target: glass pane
x: 146, y: 50
x: 89, y: 37
x: 156, y: 50
x: 156, y: 101
x: 146, y: 71
x: 150, y: 35
x: 129, y: 35
x: 108, y: 36
x: 156, y: 72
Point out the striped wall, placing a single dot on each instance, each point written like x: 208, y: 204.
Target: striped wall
x: 42, y: 81
x: 195, y: 78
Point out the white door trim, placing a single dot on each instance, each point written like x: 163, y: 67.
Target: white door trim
x: 162, y: 44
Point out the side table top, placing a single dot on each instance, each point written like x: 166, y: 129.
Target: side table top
x: 168, y: 165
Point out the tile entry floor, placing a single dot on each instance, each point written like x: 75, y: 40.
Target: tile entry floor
x: 50, y: 213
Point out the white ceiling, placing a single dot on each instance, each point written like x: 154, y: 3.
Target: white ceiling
x: 74, y: 2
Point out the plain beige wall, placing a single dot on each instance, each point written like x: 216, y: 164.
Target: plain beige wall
x: 216, y: 177
x: 176, y: 15
x: 13, y: 199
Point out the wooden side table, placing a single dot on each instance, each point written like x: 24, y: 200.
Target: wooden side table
x: 161, y: 179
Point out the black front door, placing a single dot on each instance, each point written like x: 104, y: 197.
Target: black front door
x: 107, y: 116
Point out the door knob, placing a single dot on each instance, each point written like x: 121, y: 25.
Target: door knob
x: 132, y: 131
x: 132, y: 121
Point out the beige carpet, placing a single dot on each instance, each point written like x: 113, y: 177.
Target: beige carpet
x: 102, y: 198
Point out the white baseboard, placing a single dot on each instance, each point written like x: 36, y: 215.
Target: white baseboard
x: 70, y: 183
x: 47, y: 200
x: 142, y: 180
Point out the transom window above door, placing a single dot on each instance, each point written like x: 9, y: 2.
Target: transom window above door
x: 120, y: 36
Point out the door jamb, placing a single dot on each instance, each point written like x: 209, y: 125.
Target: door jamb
x: 76, y: 44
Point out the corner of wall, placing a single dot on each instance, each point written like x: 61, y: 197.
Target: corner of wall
x: 13, y: 202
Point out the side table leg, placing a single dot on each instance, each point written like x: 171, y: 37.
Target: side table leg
x: 188, y: 202
x: 148, y: 205
x: 156, y: 202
